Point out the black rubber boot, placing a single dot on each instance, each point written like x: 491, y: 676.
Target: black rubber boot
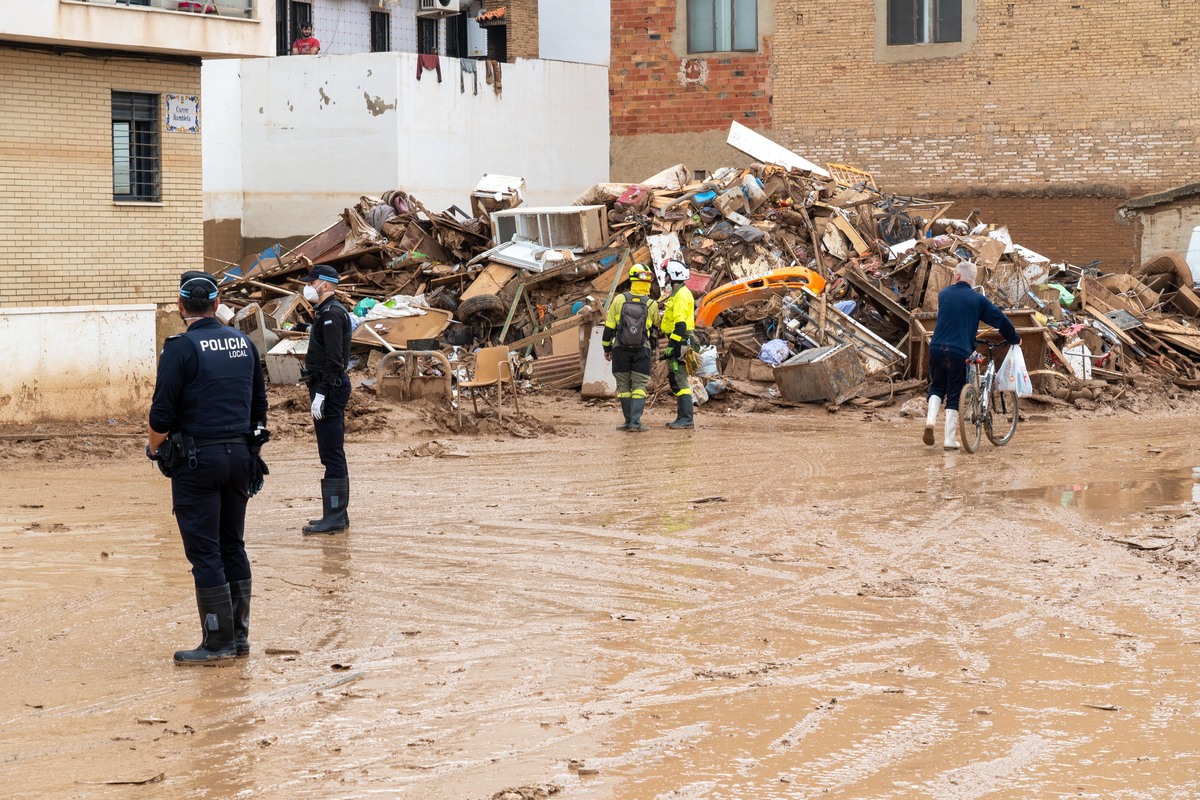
x: 636, y: 407
x: 625, y: 403
x: 335, y: 497
x: 239, y: 594
x: 683, y: 418
x: 216, y: 625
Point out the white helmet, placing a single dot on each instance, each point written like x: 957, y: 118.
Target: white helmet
x: 677, y: 271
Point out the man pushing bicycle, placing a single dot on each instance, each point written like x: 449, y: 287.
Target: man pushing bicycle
x: 960, y: 310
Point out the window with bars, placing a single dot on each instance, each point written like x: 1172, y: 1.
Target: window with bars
x: 427, y: 36
x: 456, y: 36
x: 137, y: 157
x: 715, y: 26
x: 381, y: 31
x: 924, y: 21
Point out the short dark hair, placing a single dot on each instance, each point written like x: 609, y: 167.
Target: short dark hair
x: 198, y: 305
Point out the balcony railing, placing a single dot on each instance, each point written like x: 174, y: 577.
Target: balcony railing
x: 242, y: 9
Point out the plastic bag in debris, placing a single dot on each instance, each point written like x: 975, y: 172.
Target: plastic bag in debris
x: 699, y: 393
x: 774, y: 352
x: 708, y: 360
x: 401, y: 305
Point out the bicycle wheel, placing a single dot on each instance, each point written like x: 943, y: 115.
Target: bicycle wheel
x: 1002, y: 417
x: 970, y: 418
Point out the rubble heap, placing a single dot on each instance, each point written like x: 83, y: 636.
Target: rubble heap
x: 786, y: 257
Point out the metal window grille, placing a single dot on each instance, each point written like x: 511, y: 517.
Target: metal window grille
x: 381, y: 31
x: 427, y: 36
x: 715, y: 26
x: 456, y: 36
x: 137, y: 157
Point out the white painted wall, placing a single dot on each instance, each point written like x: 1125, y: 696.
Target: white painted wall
x: 80, y: 363
x: 221, y: 138
x: 574, y: 30
x: 318, y: 132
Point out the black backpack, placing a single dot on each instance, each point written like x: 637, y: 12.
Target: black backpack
x: 631, y: 327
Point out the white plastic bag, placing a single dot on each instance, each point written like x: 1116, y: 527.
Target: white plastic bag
x: 1013, y: 376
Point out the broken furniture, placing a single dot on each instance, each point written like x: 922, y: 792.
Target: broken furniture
x: 577, y: 228
x: 398, y: 331
x: 492, y: 369
x: 832, y: 373
x: 414, y: 375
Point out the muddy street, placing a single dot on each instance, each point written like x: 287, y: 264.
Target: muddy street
x: 787, y: 605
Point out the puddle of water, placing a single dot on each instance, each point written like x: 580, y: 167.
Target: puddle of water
x: 1161, y: 489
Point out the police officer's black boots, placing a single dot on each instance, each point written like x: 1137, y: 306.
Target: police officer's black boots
x: 626, y: 402
x: 636, y: 406
x: 239, y: 594
x: 683, y: 414
x: 335, y: 497
x: 216, y: 625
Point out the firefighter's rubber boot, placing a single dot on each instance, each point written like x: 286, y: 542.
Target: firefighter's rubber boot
x: 935, y: 404
x: 683, y: 418
x: 636, y: 406
x: 239, y: 595
x: 950, y: 442
x: 335, y: 497
x: 626, y: 402
x: 216, y: 626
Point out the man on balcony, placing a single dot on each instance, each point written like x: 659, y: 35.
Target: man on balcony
x: 307, y: 44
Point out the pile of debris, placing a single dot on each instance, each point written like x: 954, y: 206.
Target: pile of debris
x: 809, y: 279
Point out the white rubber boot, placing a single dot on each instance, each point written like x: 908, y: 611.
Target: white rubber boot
x: 935, y: 403
x: 951, y: 439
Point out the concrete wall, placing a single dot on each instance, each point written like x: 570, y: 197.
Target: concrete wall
x: 574, y: 30
x: 79, y: 363
x: 1169, y: 227
x: 319, y: 132
x: 103, y: 24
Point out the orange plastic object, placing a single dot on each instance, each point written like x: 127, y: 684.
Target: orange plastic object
x: 740, y: 292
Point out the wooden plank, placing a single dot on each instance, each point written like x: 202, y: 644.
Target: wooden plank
x: 490, y: 281
x: 561, y: 325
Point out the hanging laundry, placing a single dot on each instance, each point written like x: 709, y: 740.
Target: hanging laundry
x: 426, y: 63
x: 493, y: 75
x: 467, y: 65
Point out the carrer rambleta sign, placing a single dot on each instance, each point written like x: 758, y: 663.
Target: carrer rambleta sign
x: 183, y: 113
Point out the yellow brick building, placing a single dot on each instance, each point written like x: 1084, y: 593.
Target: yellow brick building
x: 102, y: 205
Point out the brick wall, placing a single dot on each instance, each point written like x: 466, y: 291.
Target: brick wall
x: 62, y: 238
x: 523, y: 29
x: 1083, y: 94
x: 1063, y: 228
x: 1049, y: 113
x: 657, y: 87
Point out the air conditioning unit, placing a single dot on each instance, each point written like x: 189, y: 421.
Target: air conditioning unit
x: 440, y: 8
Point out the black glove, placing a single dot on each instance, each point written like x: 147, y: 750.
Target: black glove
x: 258, y: 473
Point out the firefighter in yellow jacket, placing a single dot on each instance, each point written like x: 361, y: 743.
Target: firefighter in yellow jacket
x: 678, y: 322
x: 628, y: 330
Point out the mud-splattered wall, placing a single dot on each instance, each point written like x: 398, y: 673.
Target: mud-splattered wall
x: 316, y: 133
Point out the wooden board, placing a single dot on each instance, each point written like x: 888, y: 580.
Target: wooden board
x: 398, y: 331
x: 490, y: 281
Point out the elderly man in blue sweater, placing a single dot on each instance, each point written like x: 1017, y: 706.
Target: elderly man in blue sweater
x: 960, y: 310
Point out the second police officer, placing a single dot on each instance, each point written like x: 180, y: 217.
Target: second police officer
x: 329, y: 390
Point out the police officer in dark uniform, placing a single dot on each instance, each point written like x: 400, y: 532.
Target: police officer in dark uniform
x: 209, y: 400
x: 329, y: 390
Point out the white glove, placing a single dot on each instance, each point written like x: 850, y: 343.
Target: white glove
x: 318, y: 407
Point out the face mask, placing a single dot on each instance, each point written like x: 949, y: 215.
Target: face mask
x: 310, y: 294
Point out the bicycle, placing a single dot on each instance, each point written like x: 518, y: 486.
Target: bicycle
x: 982, y: 408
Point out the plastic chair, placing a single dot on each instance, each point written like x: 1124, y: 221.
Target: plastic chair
x: 492, y: 368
